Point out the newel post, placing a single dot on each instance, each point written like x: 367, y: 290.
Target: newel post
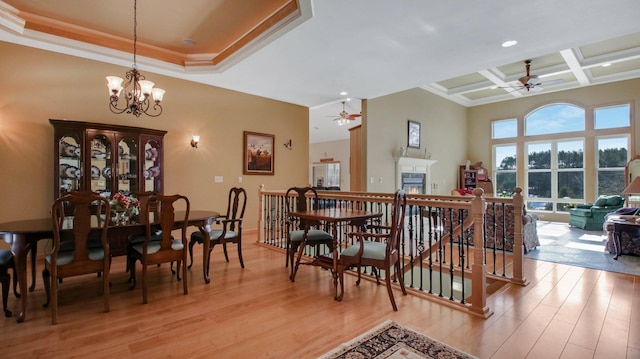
x: 260, y: 237
x: 478, y: 268
x: 518, y: 233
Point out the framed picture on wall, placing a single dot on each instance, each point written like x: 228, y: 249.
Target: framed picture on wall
x: 258, y: 153
x: 413, y: 140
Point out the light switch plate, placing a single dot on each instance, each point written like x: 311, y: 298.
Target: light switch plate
x: 218, y: 179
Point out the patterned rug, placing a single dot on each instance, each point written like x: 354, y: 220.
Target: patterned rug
x: 391, y: 340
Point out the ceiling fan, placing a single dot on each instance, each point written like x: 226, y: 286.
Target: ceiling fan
x: 531, y: 82
x: 344, y: 117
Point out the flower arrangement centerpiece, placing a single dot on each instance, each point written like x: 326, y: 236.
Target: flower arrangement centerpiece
x: 126, y: 208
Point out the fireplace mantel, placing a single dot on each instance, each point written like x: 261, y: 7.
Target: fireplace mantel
x: 414, y: 165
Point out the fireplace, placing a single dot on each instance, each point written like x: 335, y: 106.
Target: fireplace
x: 413, y: 174
x: 414, y: 183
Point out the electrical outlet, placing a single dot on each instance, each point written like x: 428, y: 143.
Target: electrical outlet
x: 240, y: 179
x: 371, y: 180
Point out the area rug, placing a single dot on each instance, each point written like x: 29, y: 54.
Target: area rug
x: 393, y: 341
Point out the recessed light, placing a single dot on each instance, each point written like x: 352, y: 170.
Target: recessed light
x: 188, y: 42
x: 606, y: 65
x: 344, y: 93
x: 509, y: 43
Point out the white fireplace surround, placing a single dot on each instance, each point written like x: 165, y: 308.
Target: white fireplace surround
x: 414, y: 165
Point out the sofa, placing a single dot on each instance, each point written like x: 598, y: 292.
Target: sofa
x: 529, y: 228
x: 494, y: 238
x: 591, y: 217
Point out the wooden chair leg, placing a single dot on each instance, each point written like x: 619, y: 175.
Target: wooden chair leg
x: 46, y: 280
x: 224, y: 248
x: 400, y: 276
x: 185, y: 282
x: 240, y: 254
x: 54, y: 296
x: 34, y: 249
x: 105, y: 290
x: 387, y: 279
x: 341, y: 279
x: 294, y: 268
x: 144, y: 282
x: 5, y: 281
x: 191, y: 244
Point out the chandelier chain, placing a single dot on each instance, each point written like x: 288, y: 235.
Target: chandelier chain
x: 135, y: 32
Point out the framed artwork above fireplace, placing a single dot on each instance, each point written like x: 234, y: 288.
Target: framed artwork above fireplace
x: 413, y: 137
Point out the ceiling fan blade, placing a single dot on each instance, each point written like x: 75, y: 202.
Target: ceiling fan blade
x: 551, y: 82
x: 354, y: 116
x: 536, y: 88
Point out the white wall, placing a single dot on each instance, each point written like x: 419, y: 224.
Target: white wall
x: 339, y: 151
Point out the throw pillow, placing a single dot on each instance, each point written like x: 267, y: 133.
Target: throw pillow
x: 601, y: 201
x: 614, y: 200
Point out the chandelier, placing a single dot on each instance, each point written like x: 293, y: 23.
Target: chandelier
x: 137, y: 90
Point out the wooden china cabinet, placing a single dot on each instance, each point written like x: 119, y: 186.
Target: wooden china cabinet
x: 107, y: 159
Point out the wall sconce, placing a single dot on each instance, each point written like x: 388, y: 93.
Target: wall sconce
x: 194, y: 141
x: 287, y: 144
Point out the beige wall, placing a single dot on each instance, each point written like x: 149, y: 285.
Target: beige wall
x: 339, y: 151
x: 444, y: 136
x: 38, y: 85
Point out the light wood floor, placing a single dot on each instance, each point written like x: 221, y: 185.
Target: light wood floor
x: 256, y: 312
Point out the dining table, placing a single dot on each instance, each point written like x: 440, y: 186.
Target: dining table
x: 24, y: 234
x: 333, y: 217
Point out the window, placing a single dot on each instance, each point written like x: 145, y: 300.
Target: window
x: 504, y: 128
x: 612, y: 159
x: 612, y: 117
x: 557, y: 118
x: 558, y: 140
x: 505, y: 158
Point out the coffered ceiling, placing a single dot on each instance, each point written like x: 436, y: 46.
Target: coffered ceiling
x: 306, y: 52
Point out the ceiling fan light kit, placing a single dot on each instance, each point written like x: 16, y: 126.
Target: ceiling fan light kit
x: 530, y: 82
x: 344, y: 117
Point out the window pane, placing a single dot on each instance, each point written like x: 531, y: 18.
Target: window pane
x: 505, y: 128
x: 540, y: 206
x: 571, y: 184
x: 539, y: 155
x: 505, y: 182
x: 564, y: 207
x: 506, y: 157
x: 610, y: 182
x: 557, y: 118
x: 612, y: 117
x: 539, y: 184
x: 570, y: 154
x: 612, y: 152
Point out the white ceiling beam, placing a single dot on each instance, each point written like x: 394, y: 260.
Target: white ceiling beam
x: 570, y: 57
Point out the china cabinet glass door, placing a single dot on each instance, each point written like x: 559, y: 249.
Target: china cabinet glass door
x: 70, y: 172
x: 101, y: 168
x: 127, y: 164
x: 152, y: 166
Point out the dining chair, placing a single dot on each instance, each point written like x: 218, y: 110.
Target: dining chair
x: 230, y: 231
x: 167, y: 249
x: 81, y: 258
x: 303, y: 233
x: 6, y: 263
x: 143, y: 199
x: 379, y: 248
